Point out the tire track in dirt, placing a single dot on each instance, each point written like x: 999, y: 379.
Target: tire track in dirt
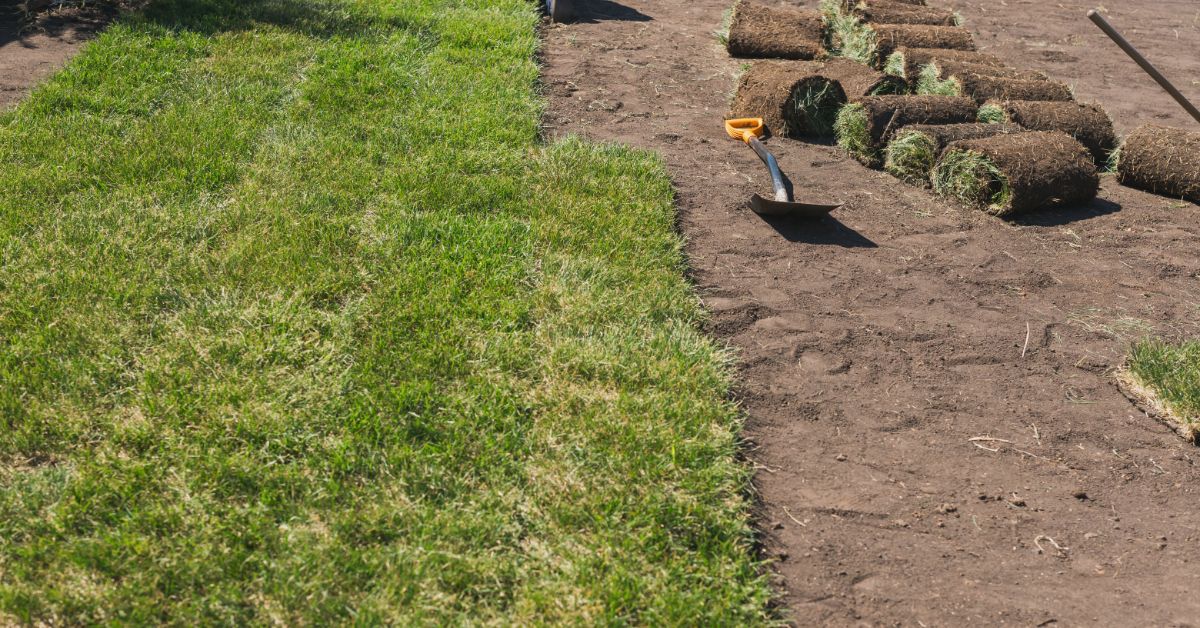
x: 875, y: 347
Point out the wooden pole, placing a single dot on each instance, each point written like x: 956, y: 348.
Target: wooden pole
x: 1140, y: 60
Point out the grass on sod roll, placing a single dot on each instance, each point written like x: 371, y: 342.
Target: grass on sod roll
x: 818, y: 103
x: 301, y: 324
x: 930, y: 84
x: 992, y: 114
x: 852, y: 39
x: 972, y: 178
x: 1114, y: 160
x: 894, y: 65
x: 1171, y: 372
x: 910, y: 157
x: 851, y: 129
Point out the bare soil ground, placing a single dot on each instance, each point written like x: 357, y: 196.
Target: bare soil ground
x: 32, y: 50
x: 875, y: 347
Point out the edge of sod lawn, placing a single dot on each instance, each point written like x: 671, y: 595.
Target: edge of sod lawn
x: 300, y: 322
x: 1164, y: 378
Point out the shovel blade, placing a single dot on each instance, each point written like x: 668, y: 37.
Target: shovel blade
x: 769, y: 207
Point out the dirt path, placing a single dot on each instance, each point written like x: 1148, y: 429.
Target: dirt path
x: 31, y: 52
x: 875, y: 348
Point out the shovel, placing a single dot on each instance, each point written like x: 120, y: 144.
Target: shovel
x: 748, y: 130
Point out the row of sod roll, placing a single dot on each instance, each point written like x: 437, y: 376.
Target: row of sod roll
x: 901, y: 86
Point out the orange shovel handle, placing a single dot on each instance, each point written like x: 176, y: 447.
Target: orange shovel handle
x: 744, y: 128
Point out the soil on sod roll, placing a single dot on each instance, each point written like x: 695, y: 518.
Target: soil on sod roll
x: 985, y: 88
x: 890, y: 12
x: 907, y: 62
x: 864, y: 128
x: 792, y: 97
x: 891, y: 37
x: 1088, y: 123
x: 1019, y: 172
x: 914, y: 150
x: 760, y: 31
x: 1162, y: 160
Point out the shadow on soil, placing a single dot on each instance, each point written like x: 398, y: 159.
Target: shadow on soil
x: 827, y: 230
x: 1066, y: 215
x: 81, y: 22
x: 593, y: 11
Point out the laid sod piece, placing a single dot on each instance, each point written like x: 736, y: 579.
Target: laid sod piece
x: 1166, y: 377
x: 1012, y: 173
x: 891, y: 12
x: 914, y: 150
x: 1162, y: 160
x: 891, y: 37
x: 802, y: 98
x: 792, y: 97
x: 906, y: 62
x: 271, y: 352
x: 769, y: 32
x: 864, y: 128
x: 1088, y: 123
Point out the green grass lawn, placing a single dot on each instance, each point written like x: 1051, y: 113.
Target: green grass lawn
x: 301, y: 323
x: 1171, y: 373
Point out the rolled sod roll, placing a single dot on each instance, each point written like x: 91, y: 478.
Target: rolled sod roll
x: 890, y: 37
x: 864, y: 128
x: 891, y: 12
x: 1087, y: 123
x: 907, y: 62
x: 791, y: 97
x: 985, y: 88
x: 938, y: 71
x: 1018, y: 172
x: 761, y: 31
x: 1161, y: 160
x: 802, y: 98
x: 914, y: 150
x: 871, y: 43
x: 859, y: 81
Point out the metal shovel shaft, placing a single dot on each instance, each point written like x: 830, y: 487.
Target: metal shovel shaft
x: 1142, y: 61
x: 781, y: 191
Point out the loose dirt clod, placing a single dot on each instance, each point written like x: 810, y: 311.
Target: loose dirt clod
x: 983, y: 88
x: 1162, y: 160
x: 802, y: 98
x: 914, y: 150
x: 761, y: 31
x: 864, y: 128
x: 1013, y: 173
x: 1088, y: 123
